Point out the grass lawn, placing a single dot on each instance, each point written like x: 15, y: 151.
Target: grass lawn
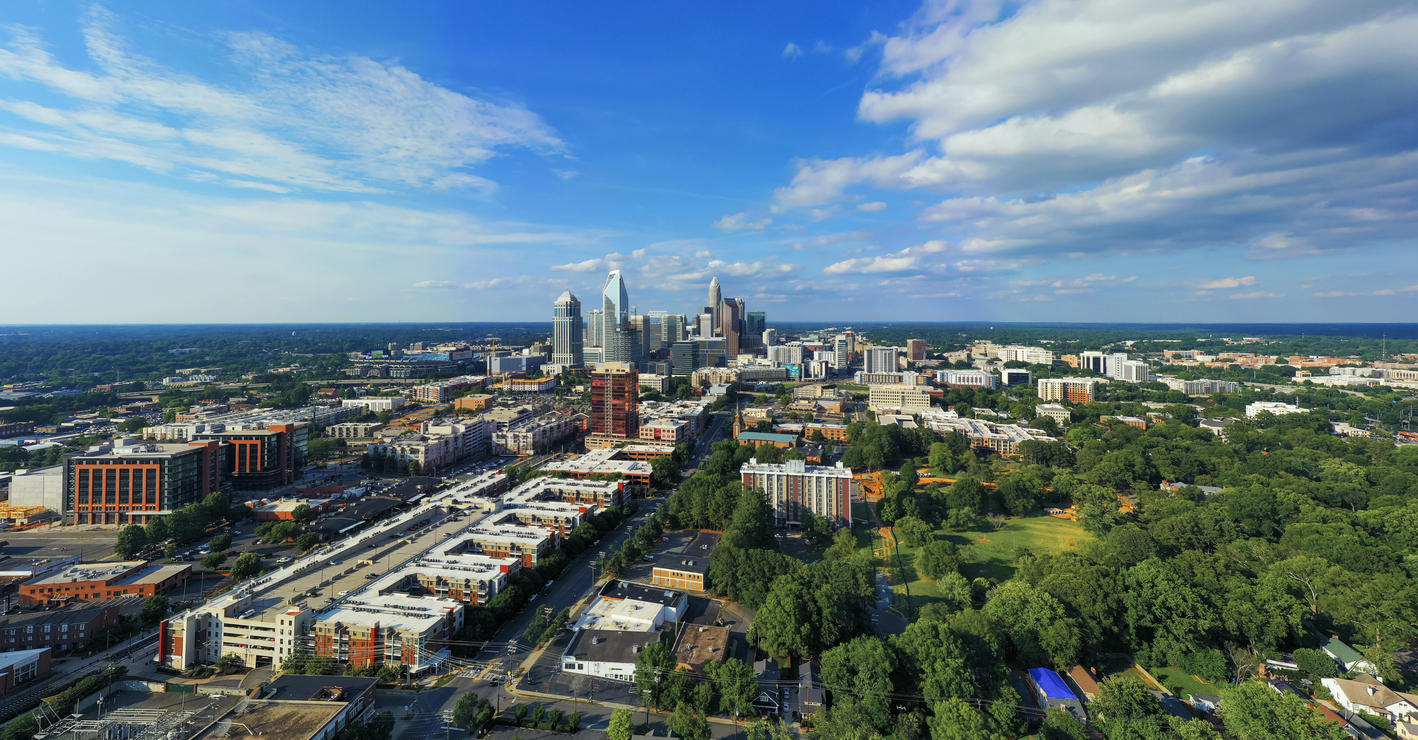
x: 1181, y: 684
x: 993, y: 552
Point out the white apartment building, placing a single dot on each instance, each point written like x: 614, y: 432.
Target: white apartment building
x: 881, y: 360
x: 795, y: 486
x: 353, y: 430
x: 785, y: 354
x: 1054, y: 411
x: 375, y: 404
x: 1131, y: 371
x: 1031, y: 355
x: 1201, y: 387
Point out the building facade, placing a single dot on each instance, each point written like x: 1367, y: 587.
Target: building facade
x: 134, y: 483
x: 1073, y: 390
x: 615, y: 403
x: 794, y: 487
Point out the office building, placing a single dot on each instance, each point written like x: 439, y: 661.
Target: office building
x: 1272, y: 407
x: 755, y: 323
x: 1131, y: 371
x: 967, y: 378
x: 262, y: 459
x: 1030, y: 355
x: 794, y: 487
x: 693, y: 354
x: 21, y: 666
x: 567, y: 343
x: 903, y: 398
x: 1016, y: 376
x: 1055, y: 412
x: 842, y: 352
x: 617, y: 344
x: 615, y: 405
x: 1073, y: 390
x: 770, y: 337
x: 375, y: 404
x: 915, y: 350
x: 133, y: 483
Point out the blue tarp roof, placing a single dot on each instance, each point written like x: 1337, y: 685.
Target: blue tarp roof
x: 1050, y: 683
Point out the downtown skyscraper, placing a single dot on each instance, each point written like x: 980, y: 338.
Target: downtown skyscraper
x: 567, y: 345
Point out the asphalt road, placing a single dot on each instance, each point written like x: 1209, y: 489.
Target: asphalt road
x: 58, y: 542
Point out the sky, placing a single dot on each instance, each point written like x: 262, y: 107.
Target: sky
x: 238, y: 161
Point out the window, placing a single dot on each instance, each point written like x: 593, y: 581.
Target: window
x: 46, y: 628
x: 29, y: 628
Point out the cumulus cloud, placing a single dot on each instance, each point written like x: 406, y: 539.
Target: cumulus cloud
x: 1061, y: 127
x: 590, y: 265
x: 288, y: 120
x: 906, y: 260
x: 1257, y: 294
x: 436, y: 284
x: 792, y: 51
x: 873, y: 206
x: 737, y: 221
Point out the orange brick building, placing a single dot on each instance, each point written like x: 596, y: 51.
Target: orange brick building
x: 102, y: 581
x: 134, y: 483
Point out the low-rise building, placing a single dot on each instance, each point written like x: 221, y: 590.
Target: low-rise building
x: 65, y: 629
x: 701, y: 643
x: 371, y: 628
x: 22, y: 666
x: 533, y: 436
x: 474, y: 403
x: 353, y: 430
x: 687, y: 567
x: 443, y: 391
x: 1276, y: 408
x: 135, y: 579
x: 284, y: 509
x: 1365, y: 693
x: 1054, y: 411
x: 904, y: 398
x: 1200, y: 387
x: 375, y: 404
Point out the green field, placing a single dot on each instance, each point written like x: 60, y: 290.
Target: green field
x: 991, y: 554
x: 1181, y: 684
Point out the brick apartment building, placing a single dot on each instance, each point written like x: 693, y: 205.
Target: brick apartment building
x: 22, y: 665
x: 62, y: 629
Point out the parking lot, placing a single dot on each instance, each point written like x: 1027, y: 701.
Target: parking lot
x: 59, y: 542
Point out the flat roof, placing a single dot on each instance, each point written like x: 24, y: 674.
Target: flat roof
x: 628, y: 591
x: 608, y: 646
x: 316, y: 688
x: 769, y: 437
x: 153, y: 574
x: 702, y: 643
x: 287, y: 720
x: 89, y: 572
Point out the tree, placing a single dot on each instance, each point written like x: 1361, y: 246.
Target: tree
x: 687, y: 724
x: 539, y: 713
x: 1125, y: 697
x: 956, y: 720
x: 655, y: 661
x: 1316, y: 662
x: 863, y: 668
x: 1252, y: 711
x: 738, y: 687
x: 466, y: 710
x: 131, y: 541
x: 154, y: 608
x: 170, y: 551
x: 221, y: 542
x: 622, y: 725
x: 915, y: 532
x: 213, y: 560
x: 307, y: 540
x: 247, y: 565
x: 664, y: 472
x: 937, y: 559
x: 134, y: 424
x: 1060, y: 724
x: 302, y: 513
x: 157, y: 530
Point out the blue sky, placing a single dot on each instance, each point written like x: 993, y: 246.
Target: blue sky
x: 1090, y: 160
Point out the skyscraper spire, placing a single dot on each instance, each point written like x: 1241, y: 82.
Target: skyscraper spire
x: 715, y: 296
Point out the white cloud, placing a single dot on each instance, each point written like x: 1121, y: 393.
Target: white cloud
x: 906, y: 260
x: 792, y: 51
x: 873, y: 206
x: 737, y: 221
x: 438, y: 284
x: 1230, y: 282
x: 1257, y: 294
x: 292, y: 120
x: 590, y: 265
x: 565, y: 174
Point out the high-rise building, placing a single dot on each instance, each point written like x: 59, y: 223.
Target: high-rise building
x: 785, y: 354
x: 567, y: 347
x: 615, y: 404
x: 915, y: 350
x: 615, y: 318
x: 880, y: 359
x: 695, y: 353
x: 770, y: 337
x: 595, y: 327
x: 716, y: 297
x: 794, y: 487
x: 755, y: 322
x: 841, y: 357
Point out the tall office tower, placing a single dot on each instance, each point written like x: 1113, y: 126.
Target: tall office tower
x: 754, y: 322
x: 674, y: 328
x: 716, y: 297
x: 880, y: 360
x: 1116, y: 361
x: 567, y: 347
x: 730, y: 323
x: 704, y: 325
x: 841, y: 357
x: 915, y: 349
x: 615, y: 402
x: 615, y: 308
x: 770, y: 337
x: 692, y: 354
x: 595, y: 325
x: 851, y: 342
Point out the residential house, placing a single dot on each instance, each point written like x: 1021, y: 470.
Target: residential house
x: 1367, y: 694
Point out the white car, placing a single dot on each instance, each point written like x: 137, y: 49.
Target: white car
x: 344, y: 593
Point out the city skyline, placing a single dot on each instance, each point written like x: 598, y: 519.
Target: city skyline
x: 265, y: 162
